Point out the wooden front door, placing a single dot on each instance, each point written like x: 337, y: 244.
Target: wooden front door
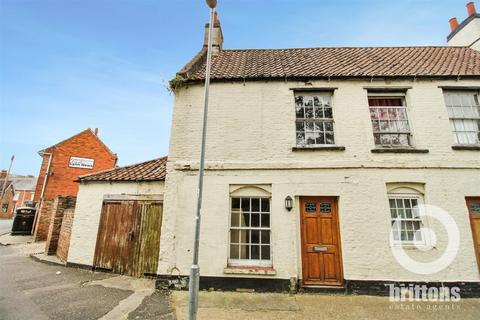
x: 321, y: 252
x: 128, y: 237
x: 474, y: 212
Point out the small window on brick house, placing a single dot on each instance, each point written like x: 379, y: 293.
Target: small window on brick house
x: 464, y: 112
x: 314, y: 120
x: 389, y: 119
x: 4, y: 207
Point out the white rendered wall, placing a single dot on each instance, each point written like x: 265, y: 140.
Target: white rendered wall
x: 468, y: 36
x: 250, y: 138
x: 87, y: 214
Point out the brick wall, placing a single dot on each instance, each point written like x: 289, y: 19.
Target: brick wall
x: 62, y: 177
x: 43, y: 220
x: 7, y: 200
x: 60, y: 204
x: 65, y: 233
x: 24, y: 195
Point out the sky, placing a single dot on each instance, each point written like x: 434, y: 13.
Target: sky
x: 68, y: 65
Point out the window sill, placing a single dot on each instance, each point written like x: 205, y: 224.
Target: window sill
x: 399, y: 150
x: 319, y: 148
x: 263, y: 271
x: 466, y: 147
x: 414, y: 247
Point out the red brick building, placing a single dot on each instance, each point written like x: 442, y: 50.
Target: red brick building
x: 19, y: 191
x: 62, y: 163
x: 7, y: 203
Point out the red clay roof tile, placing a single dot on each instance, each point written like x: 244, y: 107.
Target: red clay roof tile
x: 152, y: 170
x: 338, y: 62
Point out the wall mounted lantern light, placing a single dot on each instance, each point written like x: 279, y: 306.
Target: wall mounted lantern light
x: 288, y: 203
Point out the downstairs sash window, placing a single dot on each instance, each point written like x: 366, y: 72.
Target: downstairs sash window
x: 250, y: 232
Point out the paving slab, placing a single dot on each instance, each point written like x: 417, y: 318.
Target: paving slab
x: 7, y: 239
x: 155, y: 306
x: 232, y: 305
x: 48, y: 259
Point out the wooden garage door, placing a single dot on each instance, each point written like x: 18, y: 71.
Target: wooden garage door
x: 128, y: 238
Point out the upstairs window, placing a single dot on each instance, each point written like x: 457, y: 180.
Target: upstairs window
x: 464, y: 112
x: 314, y: 120
x: 389, y: 121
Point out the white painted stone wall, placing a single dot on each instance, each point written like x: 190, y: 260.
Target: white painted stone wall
x: 250, y: 137
x: 87, y: 214
x: 468, y: 36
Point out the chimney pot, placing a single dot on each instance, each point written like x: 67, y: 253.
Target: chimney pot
x: 453, y: 23
x: 471, y: 8
x: 96, y: 131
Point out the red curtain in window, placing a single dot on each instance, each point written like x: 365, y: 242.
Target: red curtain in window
x: 384, y: 102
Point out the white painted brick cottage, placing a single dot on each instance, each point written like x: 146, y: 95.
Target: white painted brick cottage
x: 357, y: 138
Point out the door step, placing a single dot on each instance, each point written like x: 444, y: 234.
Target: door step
x: 324, y: 289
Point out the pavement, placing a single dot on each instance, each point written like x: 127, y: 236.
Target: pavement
x: 33, y: 290
x: 7, y: 240
x: 30, y: 289
x: 5, y: 226
x: 262, y: 306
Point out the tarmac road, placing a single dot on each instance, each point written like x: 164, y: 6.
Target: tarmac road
x: 33, y: 290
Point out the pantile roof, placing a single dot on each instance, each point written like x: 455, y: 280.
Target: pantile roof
x: 152, y: 170
x: 344, y: 62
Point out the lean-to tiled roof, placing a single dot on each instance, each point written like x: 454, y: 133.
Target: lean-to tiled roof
x: 153, y: 170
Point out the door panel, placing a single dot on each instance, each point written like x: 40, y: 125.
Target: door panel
x: 473, y: 205
x: 314, y: 266
x: 330, y: 266
x: 147, y: 261
x: 311, y: 230
x: 112, y: 251
x: 321, y: 253
x: 327, y: 234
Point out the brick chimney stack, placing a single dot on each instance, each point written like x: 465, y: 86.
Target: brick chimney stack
x: 96, y: 131
x: 3, y: 174
x: 471, y: 8
x: 217, y: 37
x: 453, y: 24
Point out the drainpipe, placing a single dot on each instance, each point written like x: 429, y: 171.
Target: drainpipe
x: 47, y: 173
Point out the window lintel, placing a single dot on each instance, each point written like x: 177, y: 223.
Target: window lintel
x: 413, y: 188
x: 250, y: 190
x: 314, y: 89
x: 387, y: 90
